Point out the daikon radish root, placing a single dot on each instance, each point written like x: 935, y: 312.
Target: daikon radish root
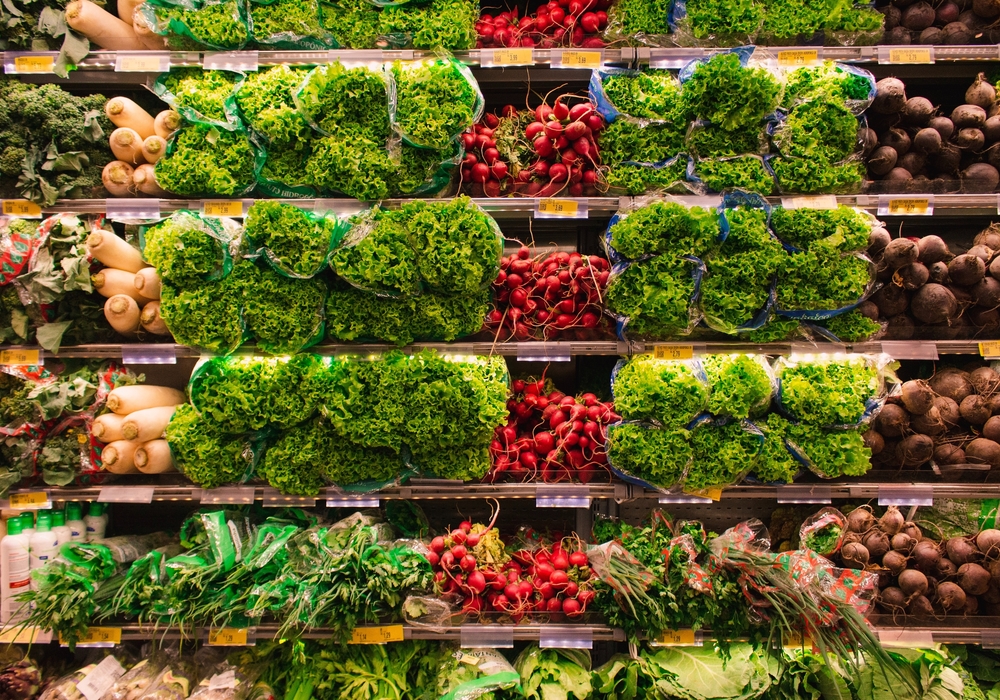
x: 126, y: 9
x: 111, y: 282
x: 117, y: 178
x: 154, y: 457
x: 151, y: 320
x: 122, y: 313
x: 144, y: 178
x: 148, y: 423
x: 167, y: 122
x: 153, y: 148
x: 118, y: 457
x: 126, y: 144
x: 135, y: 397
x: 125, y: 113
x: 114, y: 251
x: 150, y: 39
x: 147, y: 282
x: 102, y: 27
x: 108, y: 427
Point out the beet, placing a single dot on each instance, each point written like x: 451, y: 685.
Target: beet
x: 900, y: 252
x: 945, y: 568
x: 947, y: 12
x: 988, y: 542
x: 868, y: 139
x: 938, y: 273
x: 914, y: 163
x: 983, y: 451
x: 960, y: 550
x: 991, y: 129
x: 876, y: 542
x: 989, y: 237
x: 968, y: 116
x: 943, y: 125
x: 890, y: 96
x: 925, y: 556
x: 892, y: 599
x: 992, y: 595
x: 854, y: 556
x: 975, y: 409
x: 995, y: 405
x: 915, y: 450
x: 900, y: 327
x: 929, y: 423
x: 893, y: 15
x: 993, y: 155
x: 898, y: 140
x: 898, y: 175
x: 974, y: 579
x: 868, y: 309
x: 931, y: 35
x: 971, y: 605
x: 860, y: 520
x: 917, y: 111
x: 986, y: 293
x: 966, y: 269
x: 991, y: 429
x: 970, y: 138
x: 932, y: 249
x: 948, y: 159
x: 892, y: 421
x: 995, y: 268
x: 946, y: 454
x: 994, y: 568
x: 956, y: 33
x: 985, y: 380
x: 984, y: 253
x: 918, y: 16
x: 899, y: 36
x: 987, y: 9
x: 912, y: 276
x: 953, y: 383
x: 920, y: 606
x: 882, y: 160
x: 934, y: 303
x: 878, y: 239
x: 913, y: 582
x: 980, y: 177
x: 874, y: 441
x: 902, y: 542
x: 891, y: 521
x: 917, y: 395
x: 981, y: 93
x: 927, y: 141
x: 891, y: 300
x: 894, y: 561
x: 951, y: 597
x: 948, y: 409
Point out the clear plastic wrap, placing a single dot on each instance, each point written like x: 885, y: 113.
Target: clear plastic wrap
x: 289, y: 24
x: 824, y: 531
x: 187, y: 248
x: 297, y: 243
x: 202, y: 97
x: 222, y: 25
x: 647, y: 226
x: 647, y: 455
x: 741, y: 384
x: 670, y: 393
x: 426, y: 87
x: 655, y: 299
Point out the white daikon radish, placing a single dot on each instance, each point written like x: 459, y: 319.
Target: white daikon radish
x: 102, y: 27
x: 118, y: 457
x: 122, y: 313
x: 154, y: 458
x: 125, y: 113
x: 147, y: 282
x: 135, y: 397
x: 151, y: 320
x: 107, y: 427
x: 111, y: 281
x: 114, y: 251
x: 148, y: 423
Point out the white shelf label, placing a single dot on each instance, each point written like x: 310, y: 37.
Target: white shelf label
x: 905, y: 495
x: 565, y: 638
x: 228, y: 495
x: 342, y: 500
x: 142, y: 62
x: 149, y: 354
x: 805, y: 494
x: 127, y: 210
x: 126, y: 494
x: 96, y: 683
x: 827, y: 201
x: 562, y: 496
x: 905, y: 638
x: 910, y: 350
x: 475, y: 636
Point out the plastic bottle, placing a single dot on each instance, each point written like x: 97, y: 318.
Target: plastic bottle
x: 96, y: 521
x: 44, y: 543
x: 60, y: 528
x: 28, y: 523
x: 15, y: 568
x: 74, y: 521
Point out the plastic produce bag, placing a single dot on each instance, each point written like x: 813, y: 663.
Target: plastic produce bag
x: 647, y: 455
x: 647, y: 97
x: 19, y: 238
x: 655, y: 299
x: 202, y: 161
x: 829, y: 453
x: 187, y: 249
x: 297, y: 243
x: 202, y: 96
x: 836, y: 391
x: 205, y: 454
x: 206, y: 316
x: 421, y: 172
x: 136, y: 681
x: 289, y: 24
x: 192, y: 24
x: 285, y: 315
x: 748, y: 172
x: 741, y: 384
x: 824, y: 531
x: 345, y: 97
x: 723, y: 452
x: 648, y: 226
x: 473, y: 673
x: 671, y: 393
x: 666, y: 177
x: 436, y: 100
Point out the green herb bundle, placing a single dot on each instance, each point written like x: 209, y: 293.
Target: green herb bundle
x: 204, y: 454
x: 202, y: 160
x: 670, y: 392
x: 665, y: 227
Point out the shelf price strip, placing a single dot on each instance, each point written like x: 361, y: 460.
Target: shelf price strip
x: 25, y: 635
x: 489, y: 58
x: 798, y: 57
x: 678, y: 638
x: 990, y: 348
x: 673, y: 352
x: 905, y: 54
x: 34, y: 500
x: 222, y: 207
x: 21, y: 356
x: 98, y: 637
x: 29, y: 63
x: 572, y: 58
x: 383, y: 634
x: 145, y: 62
x: 906, y: 206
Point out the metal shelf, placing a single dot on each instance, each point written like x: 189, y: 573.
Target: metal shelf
x: 823, y: 493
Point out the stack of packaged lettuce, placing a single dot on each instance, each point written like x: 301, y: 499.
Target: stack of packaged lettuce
x: 305, y: 422
x: 733, y: 121
x: 366, y: 131
x: 743, y: 269
x: 229, y: 25
x: 707, y: 422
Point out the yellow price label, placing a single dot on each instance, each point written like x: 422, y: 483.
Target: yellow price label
x: 793, y: 639
x: 140, y: 64
x: 18, y: 356
x: 227, y: 637
x: 22, y: 209
x: 909, y: 206
x: 34, y: 64
x: 20, y: 635
x: 34, y: 499
x: 222, y: 207
x: 911, y: 55
x: 558, y: 207
x: 990, y: 348
x: 377, y: 635
x: 100, y: 635
x: 673, y: 352
x: 581, y: 59
x: 798, y: 57
x: 513, y: 57
x: 676, y: 638
x: 714, y: 494
x: 469, y: 659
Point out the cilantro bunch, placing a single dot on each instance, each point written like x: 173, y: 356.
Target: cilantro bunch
x: 740, y: 384
x: 655, y: 295
x: 186, y: 249
x: 435, y: 102
x: 296, y: 242
x: 203, y: 160
x: 204, y: 454
x: 670, y: 392
x: 827, y: 391
x: 656, y: 455
x: 665, y: 227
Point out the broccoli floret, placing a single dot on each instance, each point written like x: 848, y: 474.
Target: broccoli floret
x: 11, y: 160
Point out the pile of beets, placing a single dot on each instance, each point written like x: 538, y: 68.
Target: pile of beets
x: 557, y: 23
x: 551, y: 435
x: 557, y: 296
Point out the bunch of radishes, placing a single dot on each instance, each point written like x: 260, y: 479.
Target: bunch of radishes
x: 483, y: 163
x: 559, y: 437
x: 558, y: 295
x: 557, y: 23
x: 562, y: 579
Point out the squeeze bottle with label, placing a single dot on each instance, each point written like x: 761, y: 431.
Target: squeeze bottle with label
x: 28, y: 524
x: 74, y: 521
x: 60, y: 528
x: 44, y: 543
x: 15, y: 569
x: 96, y: 521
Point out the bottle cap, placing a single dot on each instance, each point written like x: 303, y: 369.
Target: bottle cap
x: 44, y: 522
x: 74, y: 511
x: 58, y: 518
x: 96, y: 509
x: 14, y: 526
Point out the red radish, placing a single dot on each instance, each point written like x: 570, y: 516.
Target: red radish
x: 467, y: 563
x: 553, y: 605
x: 571, y: 607
x: 571, y: 589
x: 458, y: 537
x: 560, y: 561
x: 560, y: 111
x: 447, y: 561
x: 433, y: 558
x: 437, y: 545
x: 558, y: 579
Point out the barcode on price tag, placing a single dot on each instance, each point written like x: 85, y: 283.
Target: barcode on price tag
x: 96, y: 683
x: 377, y: 635
x: 990, y: 348
x: 228, y: 637
x: 798, y: 57
x: 35, y: 500
x: 21, y: 209
x: 20, y: 356
x: 506, y: 57
x: 673, y: 352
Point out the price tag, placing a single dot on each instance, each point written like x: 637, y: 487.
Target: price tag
x: 906, y: 54
x: 569, y: 58
x: 506, y: 57
x: 560, y: 209
x: 98, y: 637
x: 676, y: 638
x: 145, y: 62
x: 33, y: 64
x: 714, y: 494
x: 910, y: 349
x: 21, y: 209
x: 96, y: 683
x: 228, y: 637
x: 25, y: 635
x: 34, y: 500
x: 468, y: 659
x: 798, y: 57
x: 905, y: 206
x: 377, y: 635
x: 824, y: 201
x: 990, y: 348
x: 905, y: 638
x: 905, y: 495
x: 20, y: 356
x: 126, y: 494
x: 793, y: 639
x: 222, y: 207
x: 673, y: 352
